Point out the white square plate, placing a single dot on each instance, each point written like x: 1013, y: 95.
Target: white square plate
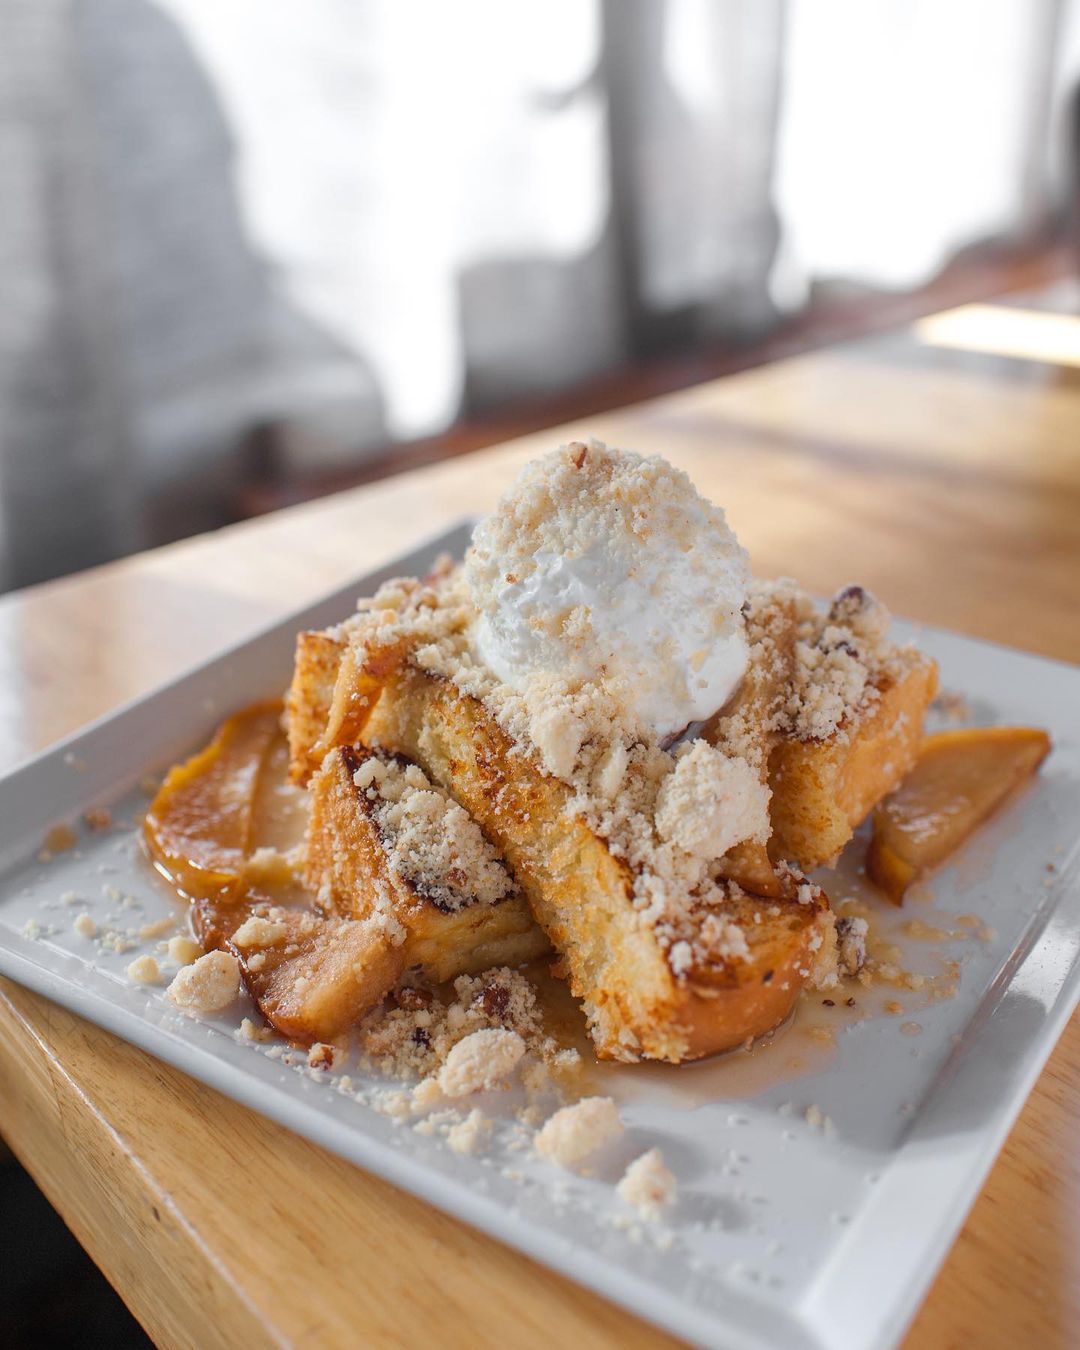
x: 788, y: 1231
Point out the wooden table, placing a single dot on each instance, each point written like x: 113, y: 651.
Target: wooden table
x: 948, y: 482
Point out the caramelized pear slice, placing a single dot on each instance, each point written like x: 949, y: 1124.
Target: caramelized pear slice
x: 960, y: 778
x: 198, y: 827
x: 331, y: 972
x: 311, y: 974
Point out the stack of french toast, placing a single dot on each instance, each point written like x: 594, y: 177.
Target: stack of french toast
x: 454, y: 824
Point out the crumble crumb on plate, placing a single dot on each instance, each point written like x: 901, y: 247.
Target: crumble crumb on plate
x: 208, y: 985
x: 574, y: 1132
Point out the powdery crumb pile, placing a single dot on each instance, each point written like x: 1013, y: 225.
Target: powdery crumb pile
x: 183, y: 950
x: 258, y: 932
x: 572, y: 1133
x: 143, y: 970
x: 321, y: 1056
x: 711, y: 802
x: 480, y: 1061
x: 430, y: 840
x: 414, y: 1038
x: 648, y: 1184
x: 470, y: 1135
x: 840, y: 660
x: 208, y: 985
x: 252, y: 1031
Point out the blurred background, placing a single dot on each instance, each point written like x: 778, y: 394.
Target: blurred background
x: 252, y: 251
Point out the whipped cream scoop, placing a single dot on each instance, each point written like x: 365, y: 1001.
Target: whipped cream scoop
x: 601, y: 565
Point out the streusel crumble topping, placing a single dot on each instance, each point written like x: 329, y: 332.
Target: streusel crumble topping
x: 429, y: 839
x: 841, y: 658
x: 414, y: 1038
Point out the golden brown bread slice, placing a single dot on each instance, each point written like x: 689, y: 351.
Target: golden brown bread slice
x: 307, y: 706
x: 433, y: 912
x: 583, y: 895
x: 314, y: 970
x: 336, y: 682
x: 823, y: 789
x: 789, y: 941
x: 822, y: 785
x: 748, y: 725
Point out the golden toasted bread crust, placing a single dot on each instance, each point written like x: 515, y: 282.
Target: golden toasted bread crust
x: 315, y: 672
x: 822, y: 789
x: 346, y: 866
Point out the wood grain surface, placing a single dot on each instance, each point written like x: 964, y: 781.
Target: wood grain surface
x: 947, y: 481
